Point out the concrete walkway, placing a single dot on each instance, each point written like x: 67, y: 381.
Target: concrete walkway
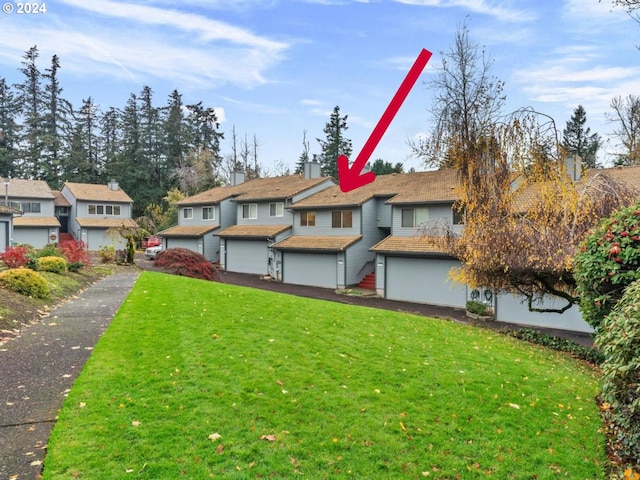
x: 38, y: 368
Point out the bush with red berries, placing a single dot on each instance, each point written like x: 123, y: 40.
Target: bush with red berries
x: 607, y: 263
x: 181, y: 261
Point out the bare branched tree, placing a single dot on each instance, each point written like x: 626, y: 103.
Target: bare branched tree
x: 466, y: 106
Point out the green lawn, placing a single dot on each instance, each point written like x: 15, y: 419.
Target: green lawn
x: 200, y: 380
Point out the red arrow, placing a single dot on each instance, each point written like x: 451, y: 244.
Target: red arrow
x: 351, y: 177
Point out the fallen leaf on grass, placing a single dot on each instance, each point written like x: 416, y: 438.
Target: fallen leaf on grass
x: 514, y: 405
x: 269, y: 438
x: 135, y: 423
x: 220, y: 449
x: 215, y: 436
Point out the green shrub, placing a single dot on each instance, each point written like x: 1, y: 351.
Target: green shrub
x: 608, y: 261
x: 49, y: 250
x: 477, y: 308
x: 53, y: 264
x: 107, y: 254
x: 26, y: 282
x: 619, y: 341
x: 591, y: 355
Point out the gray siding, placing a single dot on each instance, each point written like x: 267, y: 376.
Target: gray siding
x: 513, y: 309
x: 360, y: 260
x: 47, y: 207
x: 37, y: 237
x: 439, y: 214
x: 82, y: 209
x: 323, y: 224
x: 263, y: 217
x: 197, y: 216
x: 423, y: 280
x: 5, y: 232
x: 228, y: 213
x: 384, y: 213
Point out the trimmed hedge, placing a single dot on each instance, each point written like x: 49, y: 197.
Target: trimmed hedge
x: 53, y: 264
x: 26, y: 282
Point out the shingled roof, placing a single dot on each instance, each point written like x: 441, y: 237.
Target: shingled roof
x: 98, y: 193
x: 277, y: 188
x: 36, y: 222
x: 325, y: 243
x: 418, y: 187
x: 253, y: 231
x: 19, y: 188
x: 414, y: 245
x: 195, y: 231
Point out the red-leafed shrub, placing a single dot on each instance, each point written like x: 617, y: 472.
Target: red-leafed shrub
x: 181, y: 261
x: 76, y: 254
x: 15, y: 257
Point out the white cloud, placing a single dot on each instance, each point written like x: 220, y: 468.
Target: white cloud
x: 483, y: 7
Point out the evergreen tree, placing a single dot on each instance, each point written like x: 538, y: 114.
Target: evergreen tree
x: 335, y: 143
x: 9, y: 130
x: 57, y: 127
x: 84, y: 165
x: 174, y: 131
x: 380, y: 167
x: 31, y: 100
x: 109, y: 140
x: 576, y: 138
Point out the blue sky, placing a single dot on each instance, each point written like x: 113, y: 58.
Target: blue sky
x: 275, y: 68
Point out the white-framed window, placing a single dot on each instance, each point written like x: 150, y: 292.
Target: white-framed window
x: 276, y: 209
x: 208, y: 213
x: 96, y: 209
x: 187, y: 213
x: 307, y: 219
x: 341, y: 219
x: 250, y: 211
x: 414, y: 217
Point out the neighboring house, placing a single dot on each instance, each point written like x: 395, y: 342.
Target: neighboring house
x: 96, y: 211
x: 333, y: 232
x: 37, y: 224
x: 263, y: 217
x: 199, y: 217
x: 6, y: 226
x: 409, y: 267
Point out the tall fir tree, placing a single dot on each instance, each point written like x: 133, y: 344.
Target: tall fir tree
x: 31, y: 100
x: 84, y: 163
x: 334, y: 144
x: 9, y: 130
x: 109, y: 141
x: 57, y: 125
x: 175, y: 134
x: 576, y: 138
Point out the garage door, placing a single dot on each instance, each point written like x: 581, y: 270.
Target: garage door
x: 313, y: 269
x: 188, y: 243
x: 423, y: 281
x: 246, y: 256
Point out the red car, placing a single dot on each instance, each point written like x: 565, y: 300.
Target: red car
x: 152, y: 241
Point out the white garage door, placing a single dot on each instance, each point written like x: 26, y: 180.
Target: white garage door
x: 246, y: 256
x: 4, y: 235
x: 423, y: 280
x: 314, y: 269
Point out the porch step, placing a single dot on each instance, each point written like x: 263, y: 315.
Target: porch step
x: 65, y: 238
x: 368, y: 282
